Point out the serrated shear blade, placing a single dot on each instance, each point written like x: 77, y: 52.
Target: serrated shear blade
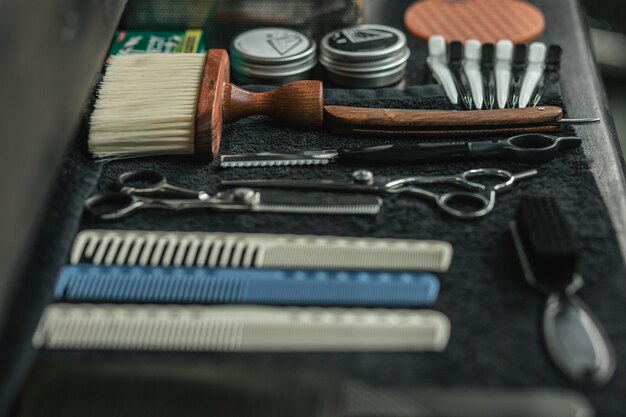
x: 264, y: 159
x: 315, y: 202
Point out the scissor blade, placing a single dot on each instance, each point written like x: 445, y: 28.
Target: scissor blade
x: 311, y: 202
x: 330, y: 185
x: 582, y: 121
x: 265, y: 159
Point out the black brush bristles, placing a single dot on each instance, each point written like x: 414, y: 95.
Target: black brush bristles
x: 548, y: 240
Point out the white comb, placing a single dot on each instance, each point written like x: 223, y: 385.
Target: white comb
x: 239, y: 329
x: 244, y: 250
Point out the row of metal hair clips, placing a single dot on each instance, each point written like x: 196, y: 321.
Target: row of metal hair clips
x: 483, y: 76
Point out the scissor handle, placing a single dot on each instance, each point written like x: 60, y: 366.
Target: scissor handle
x: 529, y: 147
x: 143, y: 181
x: 468, y: 179
x: 112, y: 205
x: 146, y: 181
x: 483, y: 204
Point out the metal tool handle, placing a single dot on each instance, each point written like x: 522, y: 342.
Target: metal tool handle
x: 576, y: 341
x: 113, y: 205
x: 459, y: 204
x: 411, y: 154
x: 529, y: 148
x: 467, y: 205
x: 146, y: 182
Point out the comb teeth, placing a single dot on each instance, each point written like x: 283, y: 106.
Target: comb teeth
x: 241, y: 250
x: 239, y: 329
x: 87, y: 283
x: 322, y: 209
x: 547, y: 238
x: 260, y: 163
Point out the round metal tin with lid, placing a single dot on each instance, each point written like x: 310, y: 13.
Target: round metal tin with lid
x: 365, y: 56
x: 272, y: 55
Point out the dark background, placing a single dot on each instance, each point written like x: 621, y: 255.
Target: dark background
x: 607, y: 21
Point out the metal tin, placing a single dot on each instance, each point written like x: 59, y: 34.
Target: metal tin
x: 272, y: 55
x: 365, y: 56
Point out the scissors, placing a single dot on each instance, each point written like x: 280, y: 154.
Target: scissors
x: 146, y: 189
x: 480, y: 196
x: 527, y: 148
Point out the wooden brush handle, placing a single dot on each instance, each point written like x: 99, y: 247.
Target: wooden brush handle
x: 299, y: 104
x: 345, y: 120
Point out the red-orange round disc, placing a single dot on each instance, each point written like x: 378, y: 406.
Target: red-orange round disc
x: 485, y: 20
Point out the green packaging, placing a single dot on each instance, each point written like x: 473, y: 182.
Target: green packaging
x: 162, y: 41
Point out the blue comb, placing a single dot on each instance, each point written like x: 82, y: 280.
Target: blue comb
x: 179, y: 285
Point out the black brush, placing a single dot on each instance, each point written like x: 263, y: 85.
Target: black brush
x: 549, y: 256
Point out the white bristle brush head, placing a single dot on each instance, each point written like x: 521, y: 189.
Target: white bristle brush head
x: 146, y: 106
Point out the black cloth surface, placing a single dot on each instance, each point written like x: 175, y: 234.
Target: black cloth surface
x: 495, y: 339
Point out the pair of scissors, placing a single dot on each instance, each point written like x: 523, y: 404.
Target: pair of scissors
x: 149, y: 189
x: 480, y: 196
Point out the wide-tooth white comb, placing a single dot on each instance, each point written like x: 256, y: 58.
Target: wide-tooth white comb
x: 244, y: 250
x: 239, y: 329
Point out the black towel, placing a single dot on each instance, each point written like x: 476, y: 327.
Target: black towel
x: 495, y: 315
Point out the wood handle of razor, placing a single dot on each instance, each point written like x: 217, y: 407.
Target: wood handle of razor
x: 441, y: 119
x: 298, y: 104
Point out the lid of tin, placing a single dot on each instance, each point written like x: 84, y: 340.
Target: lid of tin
x: 363, y: 43
x: 272, y: 52
x: 394, y: 61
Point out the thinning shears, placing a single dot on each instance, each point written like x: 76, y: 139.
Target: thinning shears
x: 476, y: 199
x: 147, y: 189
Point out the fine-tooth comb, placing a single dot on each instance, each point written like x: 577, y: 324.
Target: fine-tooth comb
x: 243, y: 250
x: 239, y: 329
x: 180, y: 285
